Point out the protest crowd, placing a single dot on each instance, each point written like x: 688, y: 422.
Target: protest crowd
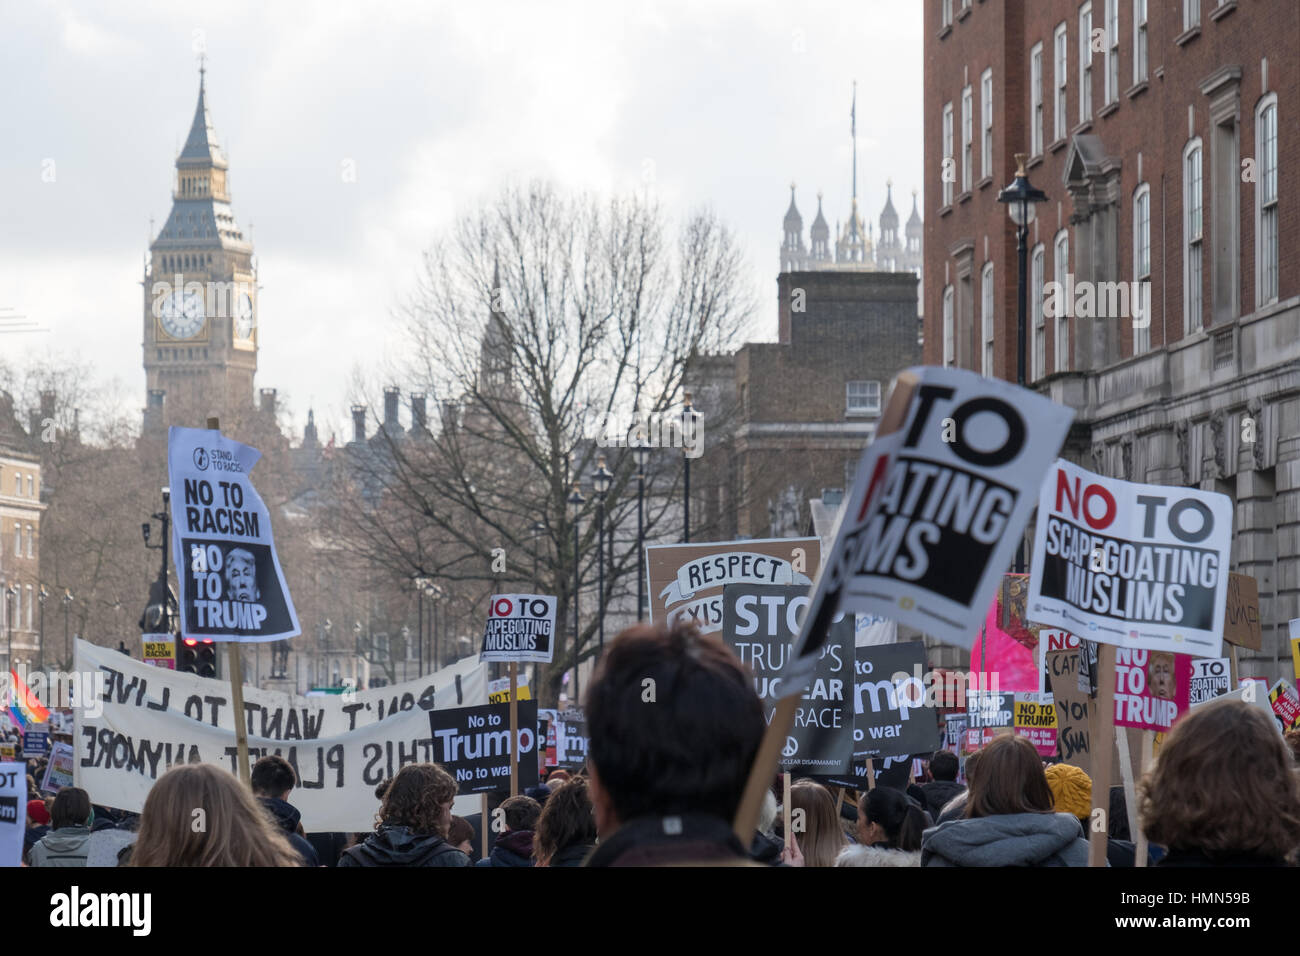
x: 663, y: 781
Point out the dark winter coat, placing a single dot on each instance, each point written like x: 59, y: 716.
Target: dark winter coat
x: 937, y: 793
x: 675, y: 840
x: 572, y: 855
x: 1013, y: 839
x: 286, y: 817
x: 398, y: 846
x: 513, y: 848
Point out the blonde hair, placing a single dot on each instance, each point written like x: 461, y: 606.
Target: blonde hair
x: 200, y: 815
x: 822, y: 838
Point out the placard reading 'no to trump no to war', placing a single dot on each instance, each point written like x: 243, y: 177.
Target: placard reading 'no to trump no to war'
x: 473, y: 745
x: 520, y: 627
x: 1140, y: 566
x: 231, y: 585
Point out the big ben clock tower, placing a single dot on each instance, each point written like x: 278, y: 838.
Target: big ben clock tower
x: 200, y: 290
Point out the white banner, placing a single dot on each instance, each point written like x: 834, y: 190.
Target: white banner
x: 231, y: 585
x: 1138, y: 566
x: 341, y: 746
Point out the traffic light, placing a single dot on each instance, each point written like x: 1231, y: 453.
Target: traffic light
x: 198, y: 657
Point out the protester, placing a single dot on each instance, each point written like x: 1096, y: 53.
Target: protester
x: 890, y: 824
x: 566, y: 830
x: 766, y: 846
x: 412, y: 824
x: 273, y: 779
x: 944, y: 787
x: 955, y: 808
x: 515, y: 846
x: 1223, y: 791
x: 200, y: 815
x: 1292, y: 738
x: 461, y: 835
x: 667, y: 771
x: 38, y: 824
x: 820, y: 837
x: 70, y: 821
x: 1009, y: 820
x: 1072, y: 793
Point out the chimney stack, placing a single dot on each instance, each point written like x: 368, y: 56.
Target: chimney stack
x: 268, y: 402
x: 392, y: 395
x: 358, y: 423
x: 419, y: 414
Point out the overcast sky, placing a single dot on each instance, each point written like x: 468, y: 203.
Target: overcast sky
x: 437, y: 106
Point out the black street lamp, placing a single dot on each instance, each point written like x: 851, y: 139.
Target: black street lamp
x: 11, y: 592
x: 575, y: 502
x: 42, y: 594
x: 689, y: 418
x: 66, y: 601
x: 600, y: 482
x: 641, y: 455
x: 1021, y: 199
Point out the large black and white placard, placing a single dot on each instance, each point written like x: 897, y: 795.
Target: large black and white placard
x: 1139, y: 566
x: 473, y: 744
x: 231, y: 585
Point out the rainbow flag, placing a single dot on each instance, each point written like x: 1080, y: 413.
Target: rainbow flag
x: 26, y: 709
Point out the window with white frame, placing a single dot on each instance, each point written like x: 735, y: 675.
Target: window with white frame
x: 986, y: 319
x: 30, y: 602
x: 18, y: 605
x: 31, y: 542
x: 1112, y: 51
x: 947, y: 154
x: 1036, y: 100
x: 967, y: 137
x: 946, y: 8
x: 986, y: 123
x: 31, y: 485
x: 1139, y: 41
x: 1266, y: 247
x: 1193, y: 252
x: 1060, y: 271
x: 949, y: 334
x: 1036, y: 311
x: 1142, y: 266
x: 862, y: 398
x: 18, y: 540
x: 1191, y: 14
x: 18, y: 485
x: 1085, y: 62
x: 1061, y: 66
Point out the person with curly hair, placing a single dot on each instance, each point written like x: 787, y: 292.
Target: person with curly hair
x: 1223, y: 791
x: 200, y: 815
x: 412, y: 825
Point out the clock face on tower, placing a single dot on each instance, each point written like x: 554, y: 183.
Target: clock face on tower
x: 244, y: 316
x: 182, y: 314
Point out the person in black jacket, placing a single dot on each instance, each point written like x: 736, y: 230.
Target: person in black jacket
x: 272, y: 780
x: 515, y: 846
x: 413, y: 823
x: 566, y: 830
x: 937, y: 793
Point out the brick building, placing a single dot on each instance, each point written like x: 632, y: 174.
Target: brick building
x: 1156, y: 128
x: 784, y: 420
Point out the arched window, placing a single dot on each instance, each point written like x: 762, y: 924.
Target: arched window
x: 1142, y: 269
x: 949, y: 338
x: 1039, y: 366
x: 1266, y: 247
x: 1193, y: 238
x: 986, y: 319
x: 1060, y: 273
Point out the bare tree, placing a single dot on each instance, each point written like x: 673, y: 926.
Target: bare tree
x: 537, y: 319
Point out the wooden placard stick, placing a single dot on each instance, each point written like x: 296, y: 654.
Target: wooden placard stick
x: 514, y: 729
x: 236, y: 685
x: 483, y: 822
x: 1144, y: 759
x: 785, y: 809
x: 1101, y: 723
x: 817, y: 620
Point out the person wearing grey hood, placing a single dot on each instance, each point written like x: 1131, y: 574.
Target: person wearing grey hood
x: 1008, y: 818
